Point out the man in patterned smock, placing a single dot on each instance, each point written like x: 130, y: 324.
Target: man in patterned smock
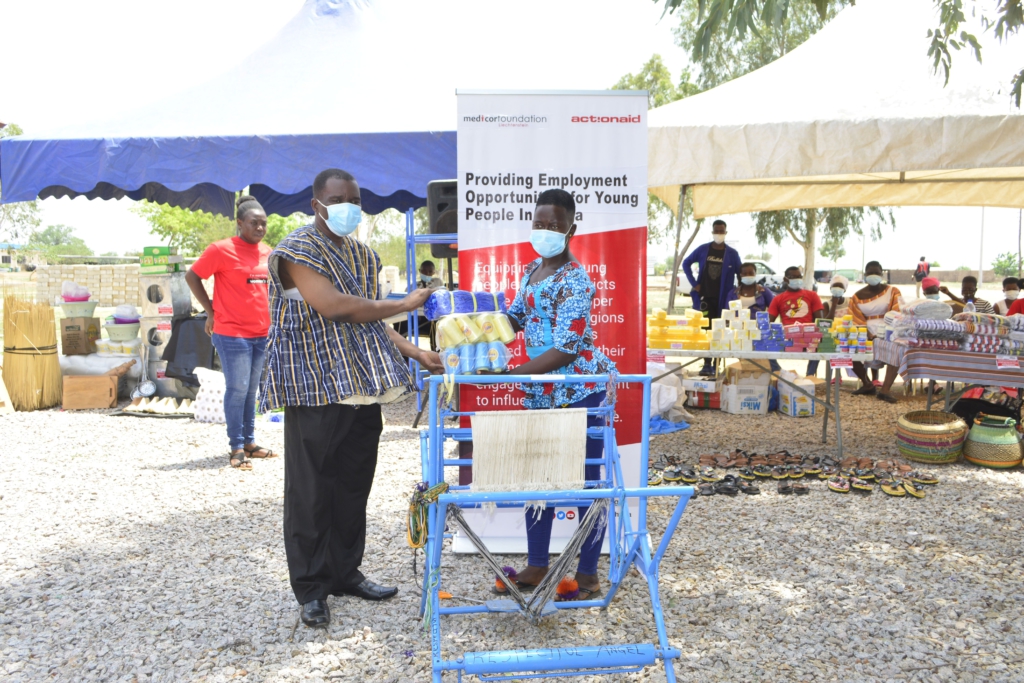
x: 331, y: 362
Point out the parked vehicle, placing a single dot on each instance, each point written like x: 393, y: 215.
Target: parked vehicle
x: 766, y: 277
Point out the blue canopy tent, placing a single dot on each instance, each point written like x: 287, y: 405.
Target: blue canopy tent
x: 364, y: 85
x: 316, y: 96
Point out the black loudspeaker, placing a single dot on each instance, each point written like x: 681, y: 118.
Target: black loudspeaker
x: 443, y: 214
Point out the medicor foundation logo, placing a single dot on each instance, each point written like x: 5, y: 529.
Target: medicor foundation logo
x: 506, y: 120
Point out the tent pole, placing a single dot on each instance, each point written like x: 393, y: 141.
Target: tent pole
x: 981, y: 250
x: 1020, y: 215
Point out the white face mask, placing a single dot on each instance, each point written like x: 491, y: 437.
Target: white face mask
x: 718, y: 238
x: 1011, y: 294
x: 838, y: 292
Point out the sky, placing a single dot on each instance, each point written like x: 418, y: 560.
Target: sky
x: 131, y: 54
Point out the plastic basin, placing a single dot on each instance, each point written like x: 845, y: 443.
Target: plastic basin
x: 122, y: 332
x: 79, y: 309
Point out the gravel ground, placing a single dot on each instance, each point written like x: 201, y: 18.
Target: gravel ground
x: 130, y: 552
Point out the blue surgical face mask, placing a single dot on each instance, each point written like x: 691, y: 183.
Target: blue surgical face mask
x: 426, y: 278
x: 342, y: 219
x: 931, y: 296
x: 873, y: 280
x: 796, y: 284
x: 547, y: 243
x: 748, y: 280
x: 838, y: 292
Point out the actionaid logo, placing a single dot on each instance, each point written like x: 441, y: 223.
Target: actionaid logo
x: 606, y: 119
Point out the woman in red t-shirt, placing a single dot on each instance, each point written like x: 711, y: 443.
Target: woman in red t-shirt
x: 238, y: 319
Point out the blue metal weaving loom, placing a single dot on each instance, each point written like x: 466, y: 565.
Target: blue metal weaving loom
x: 627, y: 546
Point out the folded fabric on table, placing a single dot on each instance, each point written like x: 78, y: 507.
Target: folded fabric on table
x: 1016, y: 322
x: 985, y: 329
x: 1012, y: 347
x: 927, y: 309
x: 443, y: 302
x: 910, y: 327
x: 982, y: 319
x: 982, y: 346
x: 947, y: 344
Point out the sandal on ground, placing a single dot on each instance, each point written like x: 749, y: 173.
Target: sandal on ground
x: 801, y: 489
x: 255, y: 452
x: 922, y: 478
x: 780, y: 473
x: 587, y: 594
x: 795, y: 472
x: 499, y: 586
x: 785, y: 488
x: 654, y: 477
x: 708, y: 474
x: 672, y: 473
x: 706, y: 489
x: 762, y: 471
x: 726, y: 489
x: 839, y: 484
x: 748, y: 488
x: 860, y: 484
x: 913, y: 489
x: 688, y: 475
x: 239, y: 461
x: 892, y: 487
x: 869, y: 390
x: 887, y: 397
x: 746, y: 473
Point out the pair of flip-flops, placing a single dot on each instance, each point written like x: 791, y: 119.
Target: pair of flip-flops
x: 786, y: 487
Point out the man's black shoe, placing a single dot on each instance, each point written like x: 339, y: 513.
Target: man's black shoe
x: 368, y: 590
x: 316, y: 614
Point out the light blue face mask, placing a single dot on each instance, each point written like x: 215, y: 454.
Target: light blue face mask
x: 838, y: 292
x: 931, y: 296
x: 796, y: 284
x: 748, y: 280
x: 342, y: 219
x: 873, y: 280
x: 547, y: 243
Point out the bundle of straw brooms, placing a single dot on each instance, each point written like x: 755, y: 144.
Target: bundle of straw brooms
x: 31, y: 367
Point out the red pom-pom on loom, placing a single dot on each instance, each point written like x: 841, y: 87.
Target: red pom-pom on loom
x: 568, y: 589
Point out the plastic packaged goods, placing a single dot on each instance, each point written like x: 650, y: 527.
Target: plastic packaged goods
x: 476, y: 358
x: 487, y: 326
x: 132, y: 347
x: 449, y: 333
x: 103, y: 347
x: 444, y: 302
x: 470, y: 330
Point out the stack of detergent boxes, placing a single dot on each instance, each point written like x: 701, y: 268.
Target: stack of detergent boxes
x: 678, y: 332
x: 770, y: 334
x: 802, y: 337
x: 734, y: 331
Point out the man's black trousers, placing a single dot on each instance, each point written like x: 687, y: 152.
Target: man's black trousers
x: 330, y: 455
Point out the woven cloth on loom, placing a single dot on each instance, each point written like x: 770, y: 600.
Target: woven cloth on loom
x: 948, y: 344
x: 529, y: 450
x: 927, y: 309
x: 443, y: 302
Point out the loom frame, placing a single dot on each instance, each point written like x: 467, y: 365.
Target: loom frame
x: 627, y: 547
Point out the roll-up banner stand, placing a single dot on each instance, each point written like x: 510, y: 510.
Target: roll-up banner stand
x: 511, y: 147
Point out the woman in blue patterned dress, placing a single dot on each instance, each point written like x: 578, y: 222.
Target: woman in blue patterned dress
x: 552, y: 307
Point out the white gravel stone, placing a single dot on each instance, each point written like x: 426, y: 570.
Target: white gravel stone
x: 129, y: 551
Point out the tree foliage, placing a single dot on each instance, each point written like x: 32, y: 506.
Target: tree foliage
x: 656, y: 79
x: 57, y: 241
x: 835, y: 224
x: 20, y: 219
x: 1006, y: 264
x: 718, y: 22
x: 193, y: 231
x: 832, y: 248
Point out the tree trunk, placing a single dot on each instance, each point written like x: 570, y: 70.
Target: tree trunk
x: 813, y: 219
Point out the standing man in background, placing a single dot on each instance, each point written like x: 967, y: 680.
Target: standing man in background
x: 924, y: 269
x: 717, y: 268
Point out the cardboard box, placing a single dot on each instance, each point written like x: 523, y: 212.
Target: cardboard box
x: 795, y: 404
x: 745, y: 399
x: 709, y: 386
x: 84, y: 392
x: 161, y: 250
x: 745, y: 372
x: 78, y: 335
x: 701, y: 399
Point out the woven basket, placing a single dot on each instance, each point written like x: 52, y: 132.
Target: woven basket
x: 930, y: 436
x: 993, y: 442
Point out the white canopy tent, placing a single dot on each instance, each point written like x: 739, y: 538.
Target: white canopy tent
x: 853, y: 117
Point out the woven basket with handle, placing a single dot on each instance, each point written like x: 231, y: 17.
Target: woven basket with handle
x: 930, y: 436
x: 993, y: 442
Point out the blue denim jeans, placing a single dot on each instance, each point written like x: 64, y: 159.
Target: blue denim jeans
x: 241, y: 359
x: 538, y: 524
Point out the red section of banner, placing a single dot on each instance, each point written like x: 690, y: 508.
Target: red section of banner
x: 616, y: 262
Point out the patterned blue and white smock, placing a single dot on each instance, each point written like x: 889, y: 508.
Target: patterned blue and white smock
x: 555, y: 314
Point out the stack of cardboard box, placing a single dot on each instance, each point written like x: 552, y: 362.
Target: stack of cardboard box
x: 160, y: 260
